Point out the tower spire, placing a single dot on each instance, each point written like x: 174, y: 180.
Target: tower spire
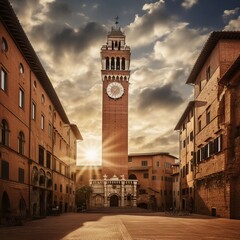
x: 116, y: 21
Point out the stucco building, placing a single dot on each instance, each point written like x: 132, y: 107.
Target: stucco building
x: 216, y: 120
x: 37, y: 140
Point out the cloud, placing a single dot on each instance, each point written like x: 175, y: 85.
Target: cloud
x: 161, y: 97
x: 155, y: 23
x: 58, y: 10
x: 233, y: 25
x: 231, y: 12
x: 183, y: 54
x: 187, y: 4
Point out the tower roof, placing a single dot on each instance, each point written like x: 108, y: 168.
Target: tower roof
x: 115, y: 32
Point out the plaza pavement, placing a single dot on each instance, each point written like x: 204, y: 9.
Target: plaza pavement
x: 123, y: 226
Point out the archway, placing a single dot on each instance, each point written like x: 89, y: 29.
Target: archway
x: 6, y: 207
x: 132, y: 176
x: 114, y: 201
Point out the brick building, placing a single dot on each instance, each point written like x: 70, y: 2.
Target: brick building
x: 185, y: 126
x: 153, y: 172
x: 37, y: 141
x: 216, y: 123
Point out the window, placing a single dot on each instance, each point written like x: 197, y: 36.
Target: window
x: 21, y: 175
x: 5, y: 170
x: 218, y: 144
x: 4, y: 132
x: 35, y: 84
x: 33, y: 111
x: 60, y: 144
x: 21, y: 98
x: 4, y: 45
x: 49, y: 129
x: 21, y: 68
x: 48, y: 160
x: 208, y: 117
x: 21, y: 141
x: 199, y: 125
x: 123, y: 63
x: 41, y: 155
x: 184, y: 143
x: 107, y: 63
x: 112, y: 63
x: 208, y: 73
x: 60, y: 167
x: 67, y: 188
x: 187, y: 168
x: 145, y: 175
x: 158, y: 164
x: 154, y: 177
x: 60, y: 187
x: 129, y: 159
x: 191, y: 136
x: 191, y: 165
x: 144, y: 163
x: 55, y: 187
x: 43, y: 99
x: 3, y: 80
x: 42, y: 122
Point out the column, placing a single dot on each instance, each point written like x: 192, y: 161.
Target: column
x: 122, y: 192
x: 135, y: 193
x: 105, y: 190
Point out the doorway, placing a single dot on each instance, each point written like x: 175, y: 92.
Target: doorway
x: 6, y: 207
x: 114, y: 201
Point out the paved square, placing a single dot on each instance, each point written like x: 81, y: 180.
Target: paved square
x: 92, y: 226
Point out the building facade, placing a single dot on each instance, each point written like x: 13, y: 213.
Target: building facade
x: 153, y: 171
x: 216, y: 119
x: 185, y: 126
x: 37, y: 141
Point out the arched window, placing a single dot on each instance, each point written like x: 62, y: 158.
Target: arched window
x: 42, y: 177
x: 107, y: 62
x: 116, y: 43
x: 35, y: 175
x: 4, y: 45
x: 21, y: 142
x: 118, y: 63
x: 21, y: 68
x: 123, y: 63
x: 4, y: 132
x: 43, y: 99
x: 112, y: 63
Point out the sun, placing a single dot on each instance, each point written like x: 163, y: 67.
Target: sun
x: 91, y: 154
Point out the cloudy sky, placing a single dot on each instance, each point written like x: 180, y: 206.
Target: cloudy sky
x: 165, y: 37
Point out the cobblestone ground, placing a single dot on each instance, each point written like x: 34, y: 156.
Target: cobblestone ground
x: 90, y: 226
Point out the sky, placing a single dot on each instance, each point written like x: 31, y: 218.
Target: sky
x: 165, y: 38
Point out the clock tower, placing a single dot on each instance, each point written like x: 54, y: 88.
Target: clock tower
x: 115, y: 73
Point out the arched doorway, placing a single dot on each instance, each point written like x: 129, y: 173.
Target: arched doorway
x: 114, y: 201
x: 6, y: 207
x: 133, y: 177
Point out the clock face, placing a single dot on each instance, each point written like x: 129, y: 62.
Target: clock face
x: 115, y: 90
